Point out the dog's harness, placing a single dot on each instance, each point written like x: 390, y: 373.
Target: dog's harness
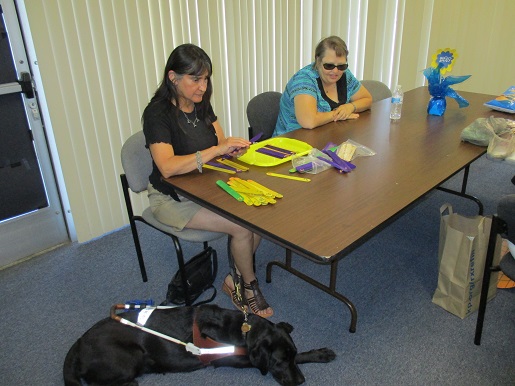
x: 206, y: 349
x: 210, y: 344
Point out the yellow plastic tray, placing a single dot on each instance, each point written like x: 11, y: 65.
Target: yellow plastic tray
x: 252, y: 157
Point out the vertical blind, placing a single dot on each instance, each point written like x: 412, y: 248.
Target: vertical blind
x: 101, y: 61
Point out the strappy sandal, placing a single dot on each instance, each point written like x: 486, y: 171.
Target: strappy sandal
x: 257, y: 302
x: 238, y: 301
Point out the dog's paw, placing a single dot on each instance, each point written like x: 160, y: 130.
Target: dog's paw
x: 321, y: 355
x: 326, y: 354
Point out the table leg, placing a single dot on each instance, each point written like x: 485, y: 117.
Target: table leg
x: 462, y: 193
x: 331, y: 290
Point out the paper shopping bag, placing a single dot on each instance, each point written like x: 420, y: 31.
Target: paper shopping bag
x: 462, y: 254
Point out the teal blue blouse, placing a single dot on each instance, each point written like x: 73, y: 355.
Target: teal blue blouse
x: 306, y: 81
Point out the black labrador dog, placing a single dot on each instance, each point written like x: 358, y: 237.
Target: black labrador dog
x: 111, y: 352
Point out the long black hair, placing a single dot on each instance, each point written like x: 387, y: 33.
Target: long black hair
x: 186, y: 59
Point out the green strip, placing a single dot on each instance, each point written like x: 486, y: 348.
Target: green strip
x: 229, y: 190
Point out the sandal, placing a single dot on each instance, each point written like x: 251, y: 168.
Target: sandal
x: 257, y: 302
x: 238, y: 301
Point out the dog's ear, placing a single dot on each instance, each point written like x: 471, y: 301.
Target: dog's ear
x: 285, y: 326
x: 259, y: 356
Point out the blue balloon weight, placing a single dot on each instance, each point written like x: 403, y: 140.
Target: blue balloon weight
x: 439, y: 88
x: 437, y: 106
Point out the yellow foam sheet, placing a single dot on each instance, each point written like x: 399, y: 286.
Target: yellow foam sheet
x: 252, y: 157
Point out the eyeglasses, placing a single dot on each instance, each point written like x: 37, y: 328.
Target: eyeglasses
x: 331, y: 66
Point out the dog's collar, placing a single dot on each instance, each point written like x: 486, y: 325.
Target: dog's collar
x: 201, y: 342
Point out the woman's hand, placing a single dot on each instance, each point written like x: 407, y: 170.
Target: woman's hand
x: 233, y: 146
x: 345, y: 111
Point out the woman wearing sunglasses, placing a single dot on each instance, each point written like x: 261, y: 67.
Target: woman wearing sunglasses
x: 323, y: 91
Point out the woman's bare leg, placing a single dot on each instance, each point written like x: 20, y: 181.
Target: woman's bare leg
x: 243, y: 244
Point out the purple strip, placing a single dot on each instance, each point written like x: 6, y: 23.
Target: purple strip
x: 328, y: 146
x: 221, y: 166
x: 350, y: 164
x: 271, y: 153
x: 305, y: 167
x: 329, y: 162
x: 280, y: 149
x: 345, y: 166
x: 334, y: 165
x: 256, y: 138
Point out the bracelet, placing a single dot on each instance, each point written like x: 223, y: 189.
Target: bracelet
x: 353, y: 105
x: 199, y: 161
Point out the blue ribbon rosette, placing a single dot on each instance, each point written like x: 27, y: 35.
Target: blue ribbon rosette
x: 439, y: 86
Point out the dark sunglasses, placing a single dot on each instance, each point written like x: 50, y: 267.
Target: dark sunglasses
x: 330, y: 66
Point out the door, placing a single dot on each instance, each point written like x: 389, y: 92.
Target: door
x: 31, y: 218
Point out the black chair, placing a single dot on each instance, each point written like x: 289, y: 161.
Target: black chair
x: 503, y: 223
x: 378, y: 89
x: 137, y: 165
x: 262, y: 113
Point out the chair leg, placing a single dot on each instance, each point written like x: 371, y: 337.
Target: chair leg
x: 135, y: 237
x: 489, y: 269
x: 182, y: 269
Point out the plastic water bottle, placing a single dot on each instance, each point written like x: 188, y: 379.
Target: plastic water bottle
x: 396, y: 105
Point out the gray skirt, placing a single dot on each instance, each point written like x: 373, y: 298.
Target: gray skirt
x: 170, y: 212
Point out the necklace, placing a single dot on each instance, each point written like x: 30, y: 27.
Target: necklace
x: 195, y: 121
x: 331, y: 87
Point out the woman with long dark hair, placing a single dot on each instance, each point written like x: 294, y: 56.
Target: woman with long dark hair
x: 182, y: 133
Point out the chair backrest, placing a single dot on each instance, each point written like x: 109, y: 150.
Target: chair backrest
x: 262, y: 113
x: 136, y: 162
x: 378, y: 89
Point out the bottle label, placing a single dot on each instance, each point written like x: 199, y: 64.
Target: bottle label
x: 396, y: 100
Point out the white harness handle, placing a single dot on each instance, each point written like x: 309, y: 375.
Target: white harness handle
x: 143, y: 317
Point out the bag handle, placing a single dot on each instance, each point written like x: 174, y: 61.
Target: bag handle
x: 207, y: 300
x: 446, y: 207
x: 214, y: 259
x: 215, y: 263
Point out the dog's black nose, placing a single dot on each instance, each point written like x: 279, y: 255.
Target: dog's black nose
x: 296, y: 379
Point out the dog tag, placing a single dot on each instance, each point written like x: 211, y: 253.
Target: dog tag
x: 245, y: 327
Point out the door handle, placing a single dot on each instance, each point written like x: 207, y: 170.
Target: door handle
x: 25, y: 82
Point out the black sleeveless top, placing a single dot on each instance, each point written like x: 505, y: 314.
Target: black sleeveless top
x: 164, y: 122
